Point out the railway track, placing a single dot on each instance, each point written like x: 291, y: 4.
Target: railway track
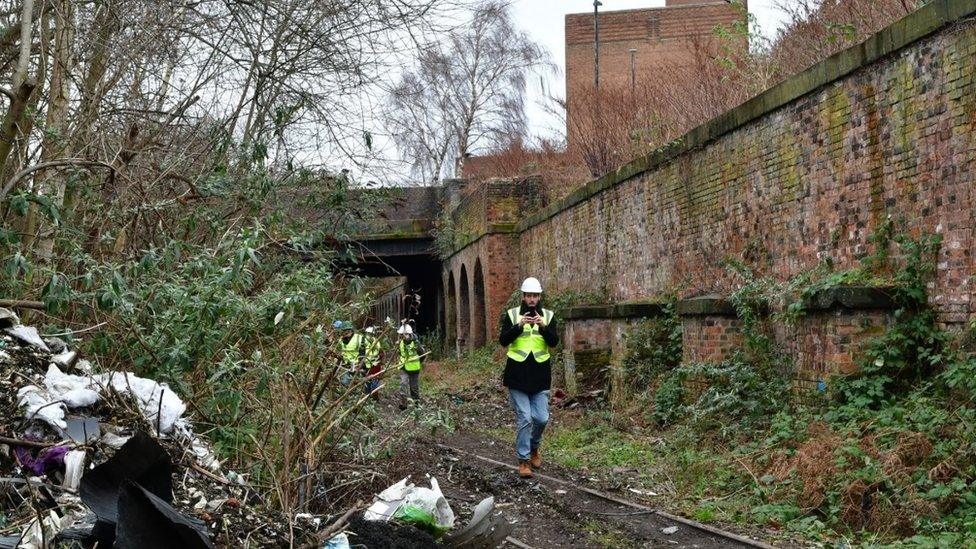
x: 634, y: 509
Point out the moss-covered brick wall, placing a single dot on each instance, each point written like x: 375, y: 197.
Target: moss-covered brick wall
x: 802, y: 173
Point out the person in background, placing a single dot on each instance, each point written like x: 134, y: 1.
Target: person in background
x: 411, y: 361
x: 351, y: 349
x: 528, y: 332
x: 371, y: 358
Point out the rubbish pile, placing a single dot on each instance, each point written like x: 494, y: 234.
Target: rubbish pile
x: 108, y: 459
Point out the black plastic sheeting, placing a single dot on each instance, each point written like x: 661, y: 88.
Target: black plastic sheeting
x: 148, y: 522
x: 131, y: 494
x: 141, y: 460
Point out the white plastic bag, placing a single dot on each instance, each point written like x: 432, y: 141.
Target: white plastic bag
x: 426, y: 508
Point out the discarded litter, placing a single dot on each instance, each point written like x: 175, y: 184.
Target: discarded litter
x: 147, y: 521
x: 670, y: 530
x: 141, y: 460
x: 159, y: 405
x: 80, y: 440
x: 74, y: 468
x: 426, y: 508
x: 82, y: 430
x: 487, y: 528
x: 46, y: 459
x: 338, y: 541
x: 27, y: 334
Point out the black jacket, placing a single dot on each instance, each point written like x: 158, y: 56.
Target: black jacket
x: 528, y: 376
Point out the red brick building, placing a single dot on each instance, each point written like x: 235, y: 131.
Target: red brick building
x: 661, y: 36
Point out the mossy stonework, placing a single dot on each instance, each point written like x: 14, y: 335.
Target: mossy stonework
x: 799, y: 176
x: 891, y: 136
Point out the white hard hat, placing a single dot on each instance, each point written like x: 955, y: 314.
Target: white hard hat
x: 405, y: 329
x: 532, y: 285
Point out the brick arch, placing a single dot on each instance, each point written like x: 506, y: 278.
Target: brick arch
x: 464, y: 311
x: 478, y: 312
x: 450, y: 313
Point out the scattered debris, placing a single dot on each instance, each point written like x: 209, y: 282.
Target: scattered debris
x: 28, y: 334
x: 160, y: 405
x: 105, y: 457
x: 669, y: 530
x: 487, y: 528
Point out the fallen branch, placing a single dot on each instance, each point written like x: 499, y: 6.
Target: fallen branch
x: 335, y: 527
x: 196, y: 467
x: 28, y: 443
x: 22, y: 304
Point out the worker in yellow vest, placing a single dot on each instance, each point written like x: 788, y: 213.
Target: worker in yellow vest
x: 351, y: 349
x: 411, y: 360
x: 528, y: 332
x: 371, y: 359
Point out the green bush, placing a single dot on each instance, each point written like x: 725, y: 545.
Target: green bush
x: 653, y: 347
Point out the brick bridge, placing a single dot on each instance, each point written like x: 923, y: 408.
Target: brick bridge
x: 802, y: 174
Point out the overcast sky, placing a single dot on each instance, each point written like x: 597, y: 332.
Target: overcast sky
x: 543, y: 20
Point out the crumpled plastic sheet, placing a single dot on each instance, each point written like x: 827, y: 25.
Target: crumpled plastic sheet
x: 338, y: 541
x: 142, y: 460
x: 160, y: 406
x: 402, y: 496
x: 74, y: 468
x: 38, y: 531
x: 146, y: 521
x: 28, y: 334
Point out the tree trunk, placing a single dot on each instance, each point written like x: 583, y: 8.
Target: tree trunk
x: 21, y: 90
x: 49, y: 182
x: 92, y: 91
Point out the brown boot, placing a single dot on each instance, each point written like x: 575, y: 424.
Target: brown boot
x: 525, y: 471
x: 535, y: 459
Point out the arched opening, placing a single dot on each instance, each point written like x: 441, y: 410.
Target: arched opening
x: 450, y: 306
x: 478, y: 333
x: 464, y: 312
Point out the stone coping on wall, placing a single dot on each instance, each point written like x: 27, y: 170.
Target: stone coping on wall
x: 705, y: 305
x: 927, y: 20
x: 852, y: 298
x: 645, y: 309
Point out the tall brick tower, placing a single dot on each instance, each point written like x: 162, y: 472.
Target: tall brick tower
x: 660, y: 37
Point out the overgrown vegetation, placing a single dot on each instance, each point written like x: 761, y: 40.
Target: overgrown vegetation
x: 164, y: 203
x: 882, y: 456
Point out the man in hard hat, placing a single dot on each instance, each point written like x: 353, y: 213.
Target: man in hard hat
x: 371, y: 358
x: 351, y: 349
x: 528, y: 331
x: 411, y: 359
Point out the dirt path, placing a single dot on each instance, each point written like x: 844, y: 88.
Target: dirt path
x: 547, y: 514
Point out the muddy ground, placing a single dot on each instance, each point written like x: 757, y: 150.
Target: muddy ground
x: 547, y: 514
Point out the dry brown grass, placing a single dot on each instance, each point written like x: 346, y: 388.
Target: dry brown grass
x: 887, y: 503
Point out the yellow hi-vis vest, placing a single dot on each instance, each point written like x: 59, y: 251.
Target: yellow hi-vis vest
x: 372, y: 350
x: 350, y: 349
x: 530, y: 341
x: 409, y: 357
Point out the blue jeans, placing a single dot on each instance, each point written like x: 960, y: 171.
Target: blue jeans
x: 531, y: 417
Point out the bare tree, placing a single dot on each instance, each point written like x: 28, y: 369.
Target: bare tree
x: 464, y: 92
x: 119, y: 116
